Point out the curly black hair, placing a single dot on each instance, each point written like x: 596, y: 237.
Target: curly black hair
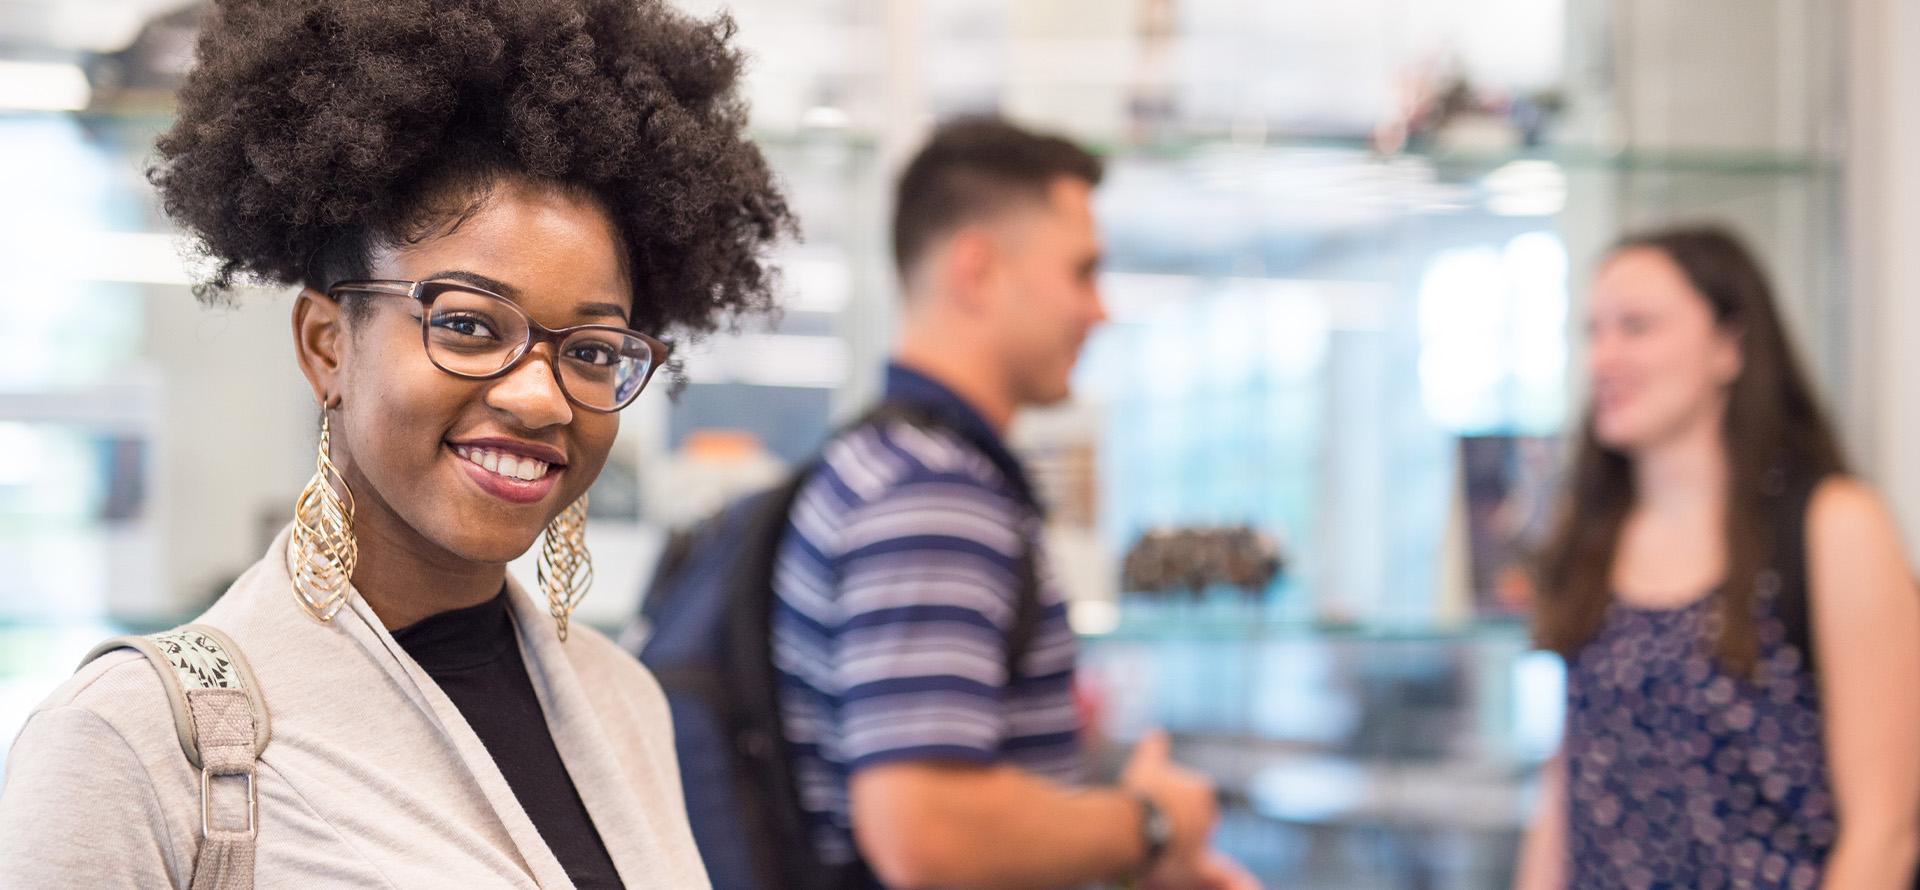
x: 312, y: 133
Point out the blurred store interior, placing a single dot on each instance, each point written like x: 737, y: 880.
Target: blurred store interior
x: 1346, y: 250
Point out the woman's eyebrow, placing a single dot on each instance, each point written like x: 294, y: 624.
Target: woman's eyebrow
x: 478, y: 280
x: 584, y: 310
x: 602, y: 309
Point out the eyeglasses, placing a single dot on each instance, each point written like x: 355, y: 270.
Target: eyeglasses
x: 480, y: 335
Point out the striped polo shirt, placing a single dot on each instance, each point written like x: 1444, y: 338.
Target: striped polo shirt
x: 894, y: 591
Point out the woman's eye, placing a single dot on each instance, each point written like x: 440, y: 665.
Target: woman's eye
x: 592, y: 354
x: 467, y: 325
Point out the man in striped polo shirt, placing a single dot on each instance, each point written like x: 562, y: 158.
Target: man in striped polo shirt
x: 920, y: 754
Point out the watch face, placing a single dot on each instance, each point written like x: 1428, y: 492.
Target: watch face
x: 1155, y: 829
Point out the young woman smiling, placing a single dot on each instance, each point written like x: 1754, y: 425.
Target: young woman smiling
x: 493, y: 208
x: 1741, y: 631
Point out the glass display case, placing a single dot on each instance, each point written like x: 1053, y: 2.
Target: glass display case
x: 1315, y: 340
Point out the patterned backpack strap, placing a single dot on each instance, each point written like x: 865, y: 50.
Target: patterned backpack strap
x: 222, y: 724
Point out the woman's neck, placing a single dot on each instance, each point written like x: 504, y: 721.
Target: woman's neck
x: 405, y: 578
x: 1683, y: 475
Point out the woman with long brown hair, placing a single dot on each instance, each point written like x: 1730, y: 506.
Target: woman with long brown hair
x: 1741, y: 633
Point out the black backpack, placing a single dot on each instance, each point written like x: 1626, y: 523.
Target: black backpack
x: 707, y: 638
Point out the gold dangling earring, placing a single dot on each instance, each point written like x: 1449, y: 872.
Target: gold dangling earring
x: 565, y: 569
x: 321, y: 551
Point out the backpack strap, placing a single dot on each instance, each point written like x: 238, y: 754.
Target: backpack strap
x: 222, y: 724
x: 1028, y: 611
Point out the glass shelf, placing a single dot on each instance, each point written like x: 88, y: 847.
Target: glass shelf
x: 1569, y: 155
x: 1218, y: 628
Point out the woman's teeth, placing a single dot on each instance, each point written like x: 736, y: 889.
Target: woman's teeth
x: 500, y: 463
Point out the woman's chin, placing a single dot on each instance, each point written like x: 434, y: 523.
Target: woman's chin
x: 1621, y: 432
x: 1613, y: 440
x: 497, y: 547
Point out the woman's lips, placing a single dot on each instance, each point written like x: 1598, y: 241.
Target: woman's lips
x: 1610, y: 398
x: 508, y: 488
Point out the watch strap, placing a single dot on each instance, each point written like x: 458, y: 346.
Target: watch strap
x: 1156, y: 831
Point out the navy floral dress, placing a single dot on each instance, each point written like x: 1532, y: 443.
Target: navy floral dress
x: 1681, y: 775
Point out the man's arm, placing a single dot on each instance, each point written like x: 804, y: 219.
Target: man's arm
x: 952, y: 825
x: 922, y: 824
x: 927, y: 586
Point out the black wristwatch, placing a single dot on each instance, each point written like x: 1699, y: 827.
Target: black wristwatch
x: 1156, y: 831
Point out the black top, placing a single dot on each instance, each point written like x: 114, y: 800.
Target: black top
x: 474, y: 656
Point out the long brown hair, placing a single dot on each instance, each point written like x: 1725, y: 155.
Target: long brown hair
x: 1774, y: 430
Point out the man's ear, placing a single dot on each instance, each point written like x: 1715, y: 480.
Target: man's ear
x: 319, y: 336
x: 969, y: 264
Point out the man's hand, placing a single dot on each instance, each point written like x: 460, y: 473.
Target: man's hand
x: 1186, y: 797
x: 1213, y: 871
x: 1218, y: 871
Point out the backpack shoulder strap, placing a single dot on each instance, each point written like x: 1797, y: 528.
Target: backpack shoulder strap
x: 222, y: 724
x: 1028, y: 605
x: 196, y: 658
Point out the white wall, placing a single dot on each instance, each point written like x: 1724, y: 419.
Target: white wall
x: 1884, y: 221
x: 237, y: 435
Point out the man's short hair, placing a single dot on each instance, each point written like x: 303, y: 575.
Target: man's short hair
x: 974, y: 168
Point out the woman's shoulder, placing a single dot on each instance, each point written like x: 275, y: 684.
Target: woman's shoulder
x: 1846, y: 519
x: 600, y: 662
x: 116, y: 685
x: 625, y: 694
x: 98, y: 758
x: 1853, y: 544
x: 115, y: 702
x: 119, y: 698
x: 125, y: 691
x: 1843, y: 502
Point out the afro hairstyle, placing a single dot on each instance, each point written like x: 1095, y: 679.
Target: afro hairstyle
x: 312, y: 133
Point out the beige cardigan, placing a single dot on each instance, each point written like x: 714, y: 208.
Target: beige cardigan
x: 372, y: 778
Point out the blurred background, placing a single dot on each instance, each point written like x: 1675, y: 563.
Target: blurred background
x: 1347, y: 249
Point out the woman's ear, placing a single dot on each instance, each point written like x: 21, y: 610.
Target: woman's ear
x: 1729, y: 358
x: 319, y: 336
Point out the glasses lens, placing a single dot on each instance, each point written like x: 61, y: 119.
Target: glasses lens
x: 472, y: 333
x: 604, y: 369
